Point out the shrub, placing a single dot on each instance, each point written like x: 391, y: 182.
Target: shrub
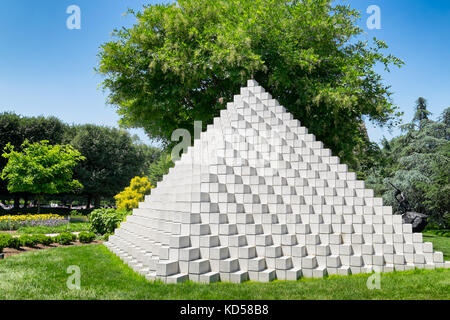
x: 28, y: 241
x: 43, y: 239
x: 106, y: 220
x: 4, y: 241
x: 5, y: 238
x: 86, y: 237
x: 9, y: 241
x: 129, y: 198
x: 65, y: 238
x: 14, y: 243
x: 106, y: 236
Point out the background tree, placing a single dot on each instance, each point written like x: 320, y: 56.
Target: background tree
x: 183, y: 62
x: 15, y: 129
x: 9, y: 133
x: 421, y: 110
x: 159, y: 168
x: 112, y: 160
x: 41, y: 168
x: 417, y: 162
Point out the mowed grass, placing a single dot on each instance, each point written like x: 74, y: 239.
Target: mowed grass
x: 439, y: 244
x: 43, y: 275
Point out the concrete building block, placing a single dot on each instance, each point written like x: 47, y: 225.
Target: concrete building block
x: 166, y: 268
x: 239, y: 276
x: 309, y: 262
x: 267, y: 275
x: 199, y: 266
x: 229, y: 265
x: 209, y: 277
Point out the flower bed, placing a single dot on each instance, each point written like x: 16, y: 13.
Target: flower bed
x: 14, y: 222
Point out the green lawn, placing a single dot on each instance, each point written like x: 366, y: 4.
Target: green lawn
x: 439, y: 244
x: 42, y: 275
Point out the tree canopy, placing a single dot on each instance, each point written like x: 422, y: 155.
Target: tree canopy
x: 112, y: 159
x: 183, y: 62
x: 15, y: 129
x: 41, y: 168
x: 418, y: 163
x: 113, y: 155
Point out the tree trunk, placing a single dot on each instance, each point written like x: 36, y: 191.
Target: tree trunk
x: 16, y: 201
x: 97, y: 199
x: 89, y: 199
x: 39, y: 205
x: 25, y: 199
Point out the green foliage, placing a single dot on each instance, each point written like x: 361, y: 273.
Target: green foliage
x: 106, y: 220
x: 421, y: 110
x: 65, y: 238
x: 15, y: 129
x: 135, y: 193
x: 159, y: 168
x: 28, y: 241
x: 43, y: 239
x: 4, y: 241
x: 106, y: 236
x: 114, y: 156
x: 86, y: 237
x: 14, y: 243
x: 70, y: 227
x: 417, y: 162
x: 41, y: 168
x: 112, y: 159
x: 182, y: 62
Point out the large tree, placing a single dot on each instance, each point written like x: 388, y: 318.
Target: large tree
x: 15, y: 129
x: 112, y: 160
x: 40, y: 168
x: 183, y: 62
x: 418, y: 163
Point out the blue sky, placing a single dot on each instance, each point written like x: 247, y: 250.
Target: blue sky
x: 47, y: 69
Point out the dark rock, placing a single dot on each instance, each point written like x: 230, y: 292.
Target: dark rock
x: 418, y: 220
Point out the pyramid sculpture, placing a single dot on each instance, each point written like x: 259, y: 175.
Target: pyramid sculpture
x: 258, y: 198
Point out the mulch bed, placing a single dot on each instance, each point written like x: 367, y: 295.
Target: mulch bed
x: 8, y: 252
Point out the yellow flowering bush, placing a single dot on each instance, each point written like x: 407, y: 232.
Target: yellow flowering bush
x: 130, y: 197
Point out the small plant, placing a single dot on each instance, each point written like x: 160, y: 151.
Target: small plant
x: 86, y: 237
x: 28, y: 241
x: 106, y: 220
x: 106, y: 236
x: 65, y: 238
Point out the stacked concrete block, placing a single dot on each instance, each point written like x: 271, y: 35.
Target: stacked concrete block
x: 258, y: 198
